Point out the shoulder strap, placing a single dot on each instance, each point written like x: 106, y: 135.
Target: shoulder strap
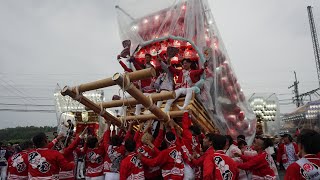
x: 309, y: 168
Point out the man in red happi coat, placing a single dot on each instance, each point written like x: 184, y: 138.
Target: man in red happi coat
x: 131, y: 167
x: 45, y: 163
x: 308, y: 167
x: 18, y: 162
x: 217, y: 165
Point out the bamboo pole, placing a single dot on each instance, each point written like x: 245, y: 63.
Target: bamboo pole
x: 136, y: 75
x: 146, y: 117
x: 132, y: 101
x: 91, y: 105
x: 126, y: 85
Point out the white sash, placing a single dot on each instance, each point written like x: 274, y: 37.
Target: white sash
x: 309, y: 169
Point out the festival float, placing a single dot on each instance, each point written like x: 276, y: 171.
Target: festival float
x: 79, y: 116
x: 304, y: 117
x: 159, y: 38
x: 267, y: 110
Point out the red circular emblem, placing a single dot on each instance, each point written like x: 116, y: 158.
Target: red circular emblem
x: 308, y: 167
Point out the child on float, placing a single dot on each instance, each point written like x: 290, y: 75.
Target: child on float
x: 186, y: 83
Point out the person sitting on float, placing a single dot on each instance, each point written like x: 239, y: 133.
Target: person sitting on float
x: 145, y: 85
x: 207, y: 87
x: 186, y: 83
x: 165, y: 81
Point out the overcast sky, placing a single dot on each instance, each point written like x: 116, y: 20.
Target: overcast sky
x: 44, y: 42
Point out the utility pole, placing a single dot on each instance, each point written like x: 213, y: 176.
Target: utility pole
x: 296, y: 97
x: 315, y: 42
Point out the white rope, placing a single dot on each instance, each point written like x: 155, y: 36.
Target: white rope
x: 151, y: 102
x: 168, y: 114
x: 124, y: 122
x: 126, y: 79
x: 101, y: 109
x: 78, y: 96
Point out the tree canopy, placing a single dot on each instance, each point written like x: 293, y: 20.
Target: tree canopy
x: 20, y: 134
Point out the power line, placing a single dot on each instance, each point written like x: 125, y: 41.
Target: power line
x: 29, y: 110
x: 34, y: 97
x: 16, y: 104
x: 19, y: 92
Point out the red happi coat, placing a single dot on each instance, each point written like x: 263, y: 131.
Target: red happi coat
x: 191, y: 143
x: 295, y: 172
x: 170, y: 161
x: 144, y: 82
x: 194, y: 76
x: 18, y: 166
x: 260, y: 165
x: 282, y: 154
x: 218, y: 166
x: 69, y: 154
x: 125, y: 67
x: 146, y: 151
x: 52, y: 143
x: 200, y: 160
x: 45, y: 164
x: 131, y: 168
x: 94, y: 161
x: 114, y: 154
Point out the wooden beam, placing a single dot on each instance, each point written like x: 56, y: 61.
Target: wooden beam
x: 146, y: 117
x: 132, y: 101
x: 91, y: 105
x: 136, y: 75
x: 124, y: 82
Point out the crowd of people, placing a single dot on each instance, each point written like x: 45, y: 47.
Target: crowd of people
x: 167, y: 153
x: 164, y: 151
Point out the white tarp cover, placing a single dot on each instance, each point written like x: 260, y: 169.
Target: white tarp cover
x: 189, y: 25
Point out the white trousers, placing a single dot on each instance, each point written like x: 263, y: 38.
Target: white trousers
x: 139, y: 106
x: 181, y: 91
x: 95, y: 178
x: 80, y: 169
x: 188, y: 173
x: 111, y: 176
x: 205, y: 93
x: 3, y: 170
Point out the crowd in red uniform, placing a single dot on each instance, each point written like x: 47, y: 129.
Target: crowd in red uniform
x: 168, y: 154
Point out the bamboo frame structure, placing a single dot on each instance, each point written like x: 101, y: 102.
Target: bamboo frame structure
x: 124, y: 82
x: 146, y: 117
x: 91, y: 105
x: 132, y: 101
x: 136, y: 75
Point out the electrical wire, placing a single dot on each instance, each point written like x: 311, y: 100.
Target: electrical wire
x: 19, y: 92
x: 29, y: 110
x: 16, y: 104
